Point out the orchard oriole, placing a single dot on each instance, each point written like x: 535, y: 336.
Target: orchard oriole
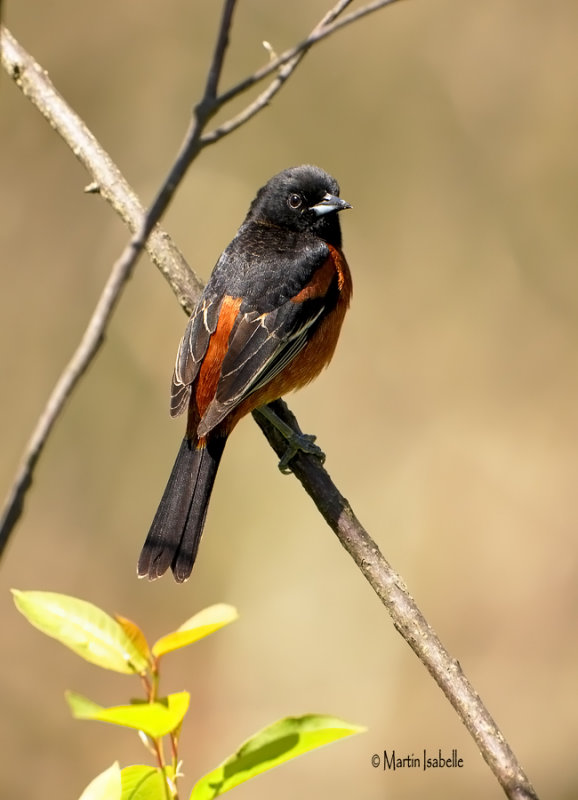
x: 267, y: 323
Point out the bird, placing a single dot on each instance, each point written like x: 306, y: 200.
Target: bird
x: 266, y: 323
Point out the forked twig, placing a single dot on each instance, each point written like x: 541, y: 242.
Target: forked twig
x: 109, y: 182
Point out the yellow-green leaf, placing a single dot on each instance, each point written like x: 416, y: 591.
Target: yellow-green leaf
x: 136, y: 636
x: 279, y: 742
x: 84, y: 628
x: 200, y: 625
x: 140, y: 782
x: 155, y: 719
x: 106, y: 786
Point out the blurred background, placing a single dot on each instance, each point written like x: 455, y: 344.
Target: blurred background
x: 449, y: 415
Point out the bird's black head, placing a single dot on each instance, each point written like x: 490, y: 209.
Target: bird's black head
x: 301, y: 199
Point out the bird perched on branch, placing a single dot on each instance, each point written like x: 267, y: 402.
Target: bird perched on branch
x: 267, y: 322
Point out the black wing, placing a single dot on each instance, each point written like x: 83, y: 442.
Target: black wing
x: 260, y: 346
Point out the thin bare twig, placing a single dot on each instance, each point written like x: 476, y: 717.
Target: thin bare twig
x: 220, y: 49
x: 325, y: 28
x: 407, y: 618
x: 192, y: 144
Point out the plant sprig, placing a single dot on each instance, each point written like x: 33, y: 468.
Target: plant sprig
x: 118, y: 644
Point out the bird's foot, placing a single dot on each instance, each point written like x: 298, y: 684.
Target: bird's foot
x: 296, y: 442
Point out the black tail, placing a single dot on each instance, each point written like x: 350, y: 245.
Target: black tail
x: 175, y: 533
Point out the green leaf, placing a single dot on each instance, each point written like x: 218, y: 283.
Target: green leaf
x: 106, y: 786
x: 84, y: 628
x: 155, y: 719
x: 141, y: 782
x: 283, y: 740
x: 202, y: 624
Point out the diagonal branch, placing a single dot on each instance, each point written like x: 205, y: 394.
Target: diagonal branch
x: 406, y: 616
x: 389, y: 587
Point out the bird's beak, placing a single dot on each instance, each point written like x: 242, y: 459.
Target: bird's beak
x: 329, y: 203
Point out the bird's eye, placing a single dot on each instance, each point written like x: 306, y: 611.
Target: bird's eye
x: 294, y: 201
